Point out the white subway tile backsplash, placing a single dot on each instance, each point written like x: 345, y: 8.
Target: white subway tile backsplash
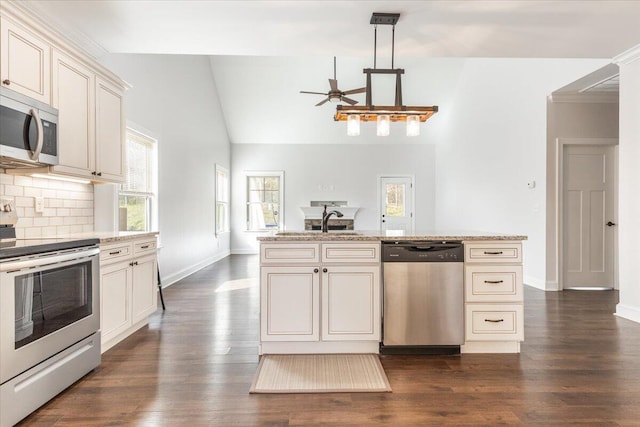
x: 68, y: 206
x: 12, y: 190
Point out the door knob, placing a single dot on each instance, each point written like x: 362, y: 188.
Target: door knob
x: 610, y: 224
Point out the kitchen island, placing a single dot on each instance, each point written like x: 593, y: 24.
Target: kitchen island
x: 321, y: 292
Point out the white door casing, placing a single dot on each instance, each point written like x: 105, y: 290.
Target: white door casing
x: 396, y: 204
x: 588, y: 220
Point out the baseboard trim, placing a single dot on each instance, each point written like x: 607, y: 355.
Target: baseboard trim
x: 179, y: 275
x: 244, y: 252
x: 534, y: 282
x: 628, y: 312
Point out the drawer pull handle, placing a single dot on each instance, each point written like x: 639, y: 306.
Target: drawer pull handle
x: 114, y: 252
x: 493, y: 253
x: 494, y: 282
x: 494, y: 320
x: 144, y: 247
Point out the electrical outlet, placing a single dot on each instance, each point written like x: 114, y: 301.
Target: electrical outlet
x: 39, y: 204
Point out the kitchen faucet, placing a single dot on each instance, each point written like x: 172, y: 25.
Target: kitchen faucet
x: 325, y: 218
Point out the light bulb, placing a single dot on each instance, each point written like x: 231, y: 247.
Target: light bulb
x: 383, y: 125
x: 413, y: 125
x: 353, y: 125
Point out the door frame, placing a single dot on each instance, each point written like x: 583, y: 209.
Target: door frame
x: 561, y: 143
x: 413, y: 197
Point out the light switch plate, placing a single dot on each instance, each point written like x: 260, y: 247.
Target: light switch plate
x: 39, y: 204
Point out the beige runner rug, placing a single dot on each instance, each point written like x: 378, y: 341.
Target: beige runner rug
x: 320, y: 373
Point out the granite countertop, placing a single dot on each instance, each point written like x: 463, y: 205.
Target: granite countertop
x: 111, y: 236
x: 29, y: 246
x: 376, y: 236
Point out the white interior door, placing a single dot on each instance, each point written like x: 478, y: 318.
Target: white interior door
x: 588, y: 216
x: 396, y: 210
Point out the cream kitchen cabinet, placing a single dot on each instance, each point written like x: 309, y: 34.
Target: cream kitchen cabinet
x: 91, y: 122
x: 128, y: 288
x: 25, y: 61
x: 41, y: 64
x: 289, y: 298
x: 320, y: 297
x: 110, y: 132
x: 494, y: 317
x: 74, y: 97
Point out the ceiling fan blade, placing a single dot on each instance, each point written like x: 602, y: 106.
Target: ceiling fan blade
x: 314, y: 93
x: 348, y: 100
x: 334, y: 84
x: 352, y: 91
x: 322, y: 102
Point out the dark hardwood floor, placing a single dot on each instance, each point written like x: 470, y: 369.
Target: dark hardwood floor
x: 193, y: 366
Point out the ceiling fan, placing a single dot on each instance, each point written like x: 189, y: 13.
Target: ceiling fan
x: 335, y: 94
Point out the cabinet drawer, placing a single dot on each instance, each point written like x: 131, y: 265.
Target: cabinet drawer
x: 494, y: 322
x: 116, y: 252
x: 488, y: 283
x: 493, y: 252
x: 350, y: 253
x: 290, y: 253
x: 145, y: 247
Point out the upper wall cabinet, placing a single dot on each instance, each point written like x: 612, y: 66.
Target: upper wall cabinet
x: 74, y: 97
x: 25, y: 61
x: 91, y: 122
x: 110, y: 132
x: 37, y: 62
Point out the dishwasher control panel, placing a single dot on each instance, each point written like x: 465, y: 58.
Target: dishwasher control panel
x: 422, y: 251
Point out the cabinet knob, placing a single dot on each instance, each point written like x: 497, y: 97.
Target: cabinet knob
x: 94, y: 173
x: 6, y: 82
x: 324, y: 270
x: 611, y: 224
x: 315, y: 270
x: 99, y: 174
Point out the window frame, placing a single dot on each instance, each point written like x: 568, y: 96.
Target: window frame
x: 139, y: 135
x: 226, y: 202
x: 253, y: 174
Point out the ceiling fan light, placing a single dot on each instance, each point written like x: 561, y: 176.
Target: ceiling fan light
x: 353, y: 125
x: 413, y: 125
x: 383, y: 121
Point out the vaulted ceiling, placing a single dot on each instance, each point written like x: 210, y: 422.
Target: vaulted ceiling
x: 478, y: 28
x: 267, y: 51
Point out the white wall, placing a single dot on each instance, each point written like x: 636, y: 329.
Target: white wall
x: 175, y: 97
x: 589, y: 119
x: 629, y: 176
x: 351, y: 170
x: 494, y: 143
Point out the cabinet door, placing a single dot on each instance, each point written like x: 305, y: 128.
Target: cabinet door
x: 144, y: 297
x: 25, y: 62
x: 351, y: 303
x: 289, y: 303
x: 115, y: 304
x: 110, y: 132
x: 73, y: 96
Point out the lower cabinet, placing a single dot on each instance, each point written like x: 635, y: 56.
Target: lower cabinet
x: 331, y: 304
x: 351, y: 303
x: 128, y: 289
x: 494, y: 318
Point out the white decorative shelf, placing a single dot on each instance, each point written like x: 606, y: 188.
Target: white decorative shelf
x: 315, y: 212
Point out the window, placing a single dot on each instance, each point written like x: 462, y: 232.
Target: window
x: 265, y: 200
x: 222, y: 200
x: 137, y: 197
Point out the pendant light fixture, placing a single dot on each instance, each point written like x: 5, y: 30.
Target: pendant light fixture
x: 383, y: 115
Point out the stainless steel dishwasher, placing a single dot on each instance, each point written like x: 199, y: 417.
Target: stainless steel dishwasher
x: 423, y: 297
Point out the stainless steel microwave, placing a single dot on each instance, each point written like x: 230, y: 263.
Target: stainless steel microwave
x: 28, y: 132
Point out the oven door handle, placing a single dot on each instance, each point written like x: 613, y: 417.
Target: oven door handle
x: 46, y: 260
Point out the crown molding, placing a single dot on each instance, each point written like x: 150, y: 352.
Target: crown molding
x: 628, y: 56
x: 33, y: 13
x: 586, y: 98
